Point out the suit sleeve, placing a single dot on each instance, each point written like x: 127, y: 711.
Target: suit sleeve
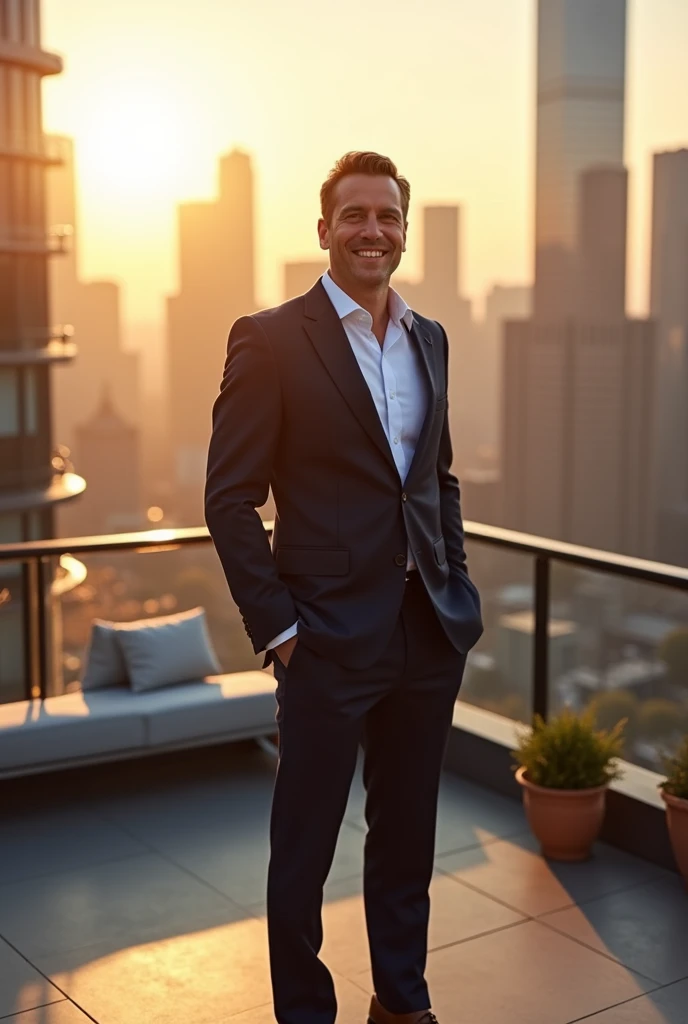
x: 245, y: 431
x: 450, y: 495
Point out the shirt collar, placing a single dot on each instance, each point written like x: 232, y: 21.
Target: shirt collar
x: 399, y: 311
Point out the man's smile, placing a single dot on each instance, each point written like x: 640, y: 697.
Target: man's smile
x: 371, y: 254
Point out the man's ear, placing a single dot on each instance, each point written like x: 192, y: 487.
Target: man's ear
x: 323, y: 234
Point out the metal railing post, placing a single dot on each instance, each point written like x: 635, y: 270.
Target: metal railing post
x: 32, y: 675
x: 42, y: 626
x: 541, y: 637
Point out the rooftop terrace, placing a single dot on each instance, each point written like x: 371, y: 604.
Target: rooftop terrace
x: 135, y: 895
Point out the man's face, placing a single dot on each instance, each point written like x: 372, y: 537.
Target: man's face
x: 366, y: 231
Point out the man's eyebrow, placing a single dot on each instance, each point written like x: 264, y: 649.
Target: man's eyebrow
x: 357, y: 208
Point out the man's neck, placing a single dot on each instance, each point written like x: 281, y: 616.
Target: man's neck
x: 375, y: 301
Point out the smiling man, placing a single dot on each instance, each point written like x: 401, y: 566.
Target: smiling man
x: 338, y: 400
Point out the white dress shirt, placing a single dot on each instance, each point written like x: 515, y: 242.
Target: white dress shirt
x: 394, y: 378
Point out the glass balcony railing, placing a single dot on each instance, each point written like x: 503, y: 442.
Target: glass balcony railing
x: 564, y: 625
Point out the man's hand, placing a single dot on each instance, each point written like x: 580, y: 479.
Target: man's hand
x: 285, y: 650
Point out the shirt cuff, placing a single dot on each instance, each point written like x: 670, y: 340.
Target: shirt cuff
x: 283, y: 637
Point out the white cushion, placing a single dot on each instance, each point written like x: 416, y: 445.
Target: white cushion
x: 167, y: 650
x: 105, y: 664
x: 71, y: 726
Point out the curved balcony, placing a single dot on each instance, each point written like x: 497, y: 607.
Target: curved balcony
x: 29, y: 57
x: 36, y: 147
x: 54, y: 243
x: 61, y: 487
x: 70, y: 575
x: 52, y: 346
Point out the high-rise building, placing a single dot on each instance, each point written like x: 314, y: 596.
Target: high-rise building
x: 578, y: 433
x: 578, y: 459
x: 299, y: 277
x: 502, y: 303
x: 216, y: 285
x: 438, y: 295
x: 93, y: 307
x: 34, y: 478
x: 581, y: 60
x: 669, y: 307
x: 109, y: 450
x: 602, y: 218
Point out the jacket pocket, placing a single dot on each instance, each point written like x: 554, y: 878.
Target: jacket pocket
x: 312, y: 561
x: 440, y: 551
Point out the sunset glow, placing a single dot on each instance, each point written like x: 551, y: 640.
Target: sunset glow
x: 136, y: 147
x: 154, y: 93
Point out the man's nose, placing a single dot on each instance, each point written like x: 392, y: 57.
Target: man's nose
x: 372, y: 227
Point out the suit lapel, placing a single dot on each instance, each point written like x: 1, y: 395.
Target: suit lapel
x: 426, y: 355
x: 325, y: 330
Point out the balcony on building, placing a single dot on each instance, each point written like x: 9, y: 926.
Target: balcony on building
x: 52, y: 346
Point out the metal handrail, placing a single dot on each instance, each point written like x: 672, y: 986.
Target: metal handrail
x: 526, y: 543
x: 34, y: 555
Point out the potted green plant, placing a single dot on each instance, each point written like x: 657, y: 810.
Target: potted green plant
x: 565, y: 767
x: 675, y: 795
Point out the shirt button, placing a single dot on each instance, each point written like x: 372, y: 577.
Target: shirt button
x: 392, y: 394
x: 396, y: 440
x: 400, y: 560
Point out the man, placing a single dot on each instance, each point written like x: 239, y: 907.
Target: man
x: 338, y: 400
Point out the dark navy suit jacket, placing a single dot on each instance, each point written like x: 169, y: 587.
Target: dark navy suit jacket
x: 294, y: 412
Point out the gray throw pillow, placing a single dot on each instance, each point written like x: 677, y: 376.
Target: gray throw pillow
x: 171, y: 649
x: 105, y: 664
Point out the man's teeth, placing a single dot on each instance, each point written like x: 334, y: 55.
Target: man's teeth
x: 370, y: 252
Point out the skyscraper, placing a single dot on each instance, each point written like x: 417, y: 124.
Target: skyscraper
x: 602, y: 217
x: 502, y: 303
x: 216, y: 270
x: 581, y: 55
x: 439, y: 296
x: 110, y: 454
x: 93, y: 307
x: 33, y: 476
x: 578, y: 433
x: 669, y: 307
x: 29, y: 342
x: 578, y: 379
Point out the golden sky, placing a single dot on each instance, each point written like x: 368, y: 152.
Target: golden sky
x: 154, y: 90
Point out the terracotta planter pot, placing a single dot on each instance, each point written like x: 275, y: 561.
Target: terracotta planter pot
x: 566, y: 822
x: 677, y: 822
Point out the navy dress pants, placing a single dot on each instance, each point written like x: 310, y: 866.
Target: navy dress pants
x: 400, y: 710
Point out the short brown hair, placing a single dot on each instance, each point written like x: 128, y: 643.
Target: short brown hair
x: 362, y: 163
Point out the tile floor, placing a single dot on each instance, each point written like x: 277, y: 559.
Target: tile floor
x: 136, y: 896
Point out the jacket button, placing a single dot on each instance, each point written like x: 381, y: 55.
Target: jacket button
x: 400, y: 560
x: 404, y: 496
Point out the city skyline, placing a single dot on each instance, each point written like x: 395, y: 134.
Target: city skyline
x: 451, y: 156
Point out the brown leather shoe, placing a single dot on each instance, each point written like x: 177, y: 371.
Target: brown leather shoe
x: 378, y: 1015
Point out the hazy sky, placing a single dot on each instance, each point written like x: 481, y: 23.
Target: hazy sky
x: 154, y: 90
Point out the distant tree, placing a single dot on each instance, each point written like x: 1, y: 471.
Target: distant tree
x: 660, y: 719
x: 673, y: 651
x: 613, y: 706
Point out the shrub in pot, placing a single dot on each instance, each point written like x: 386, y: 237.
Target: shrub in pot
x: 675, y: 794
x: 565, y: 767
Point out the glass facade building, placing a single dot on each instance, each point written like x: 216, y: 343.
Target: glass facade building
x: 581, y: 56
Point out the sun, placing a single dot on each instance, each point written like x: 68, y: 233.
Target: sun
x: 139, y: 141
